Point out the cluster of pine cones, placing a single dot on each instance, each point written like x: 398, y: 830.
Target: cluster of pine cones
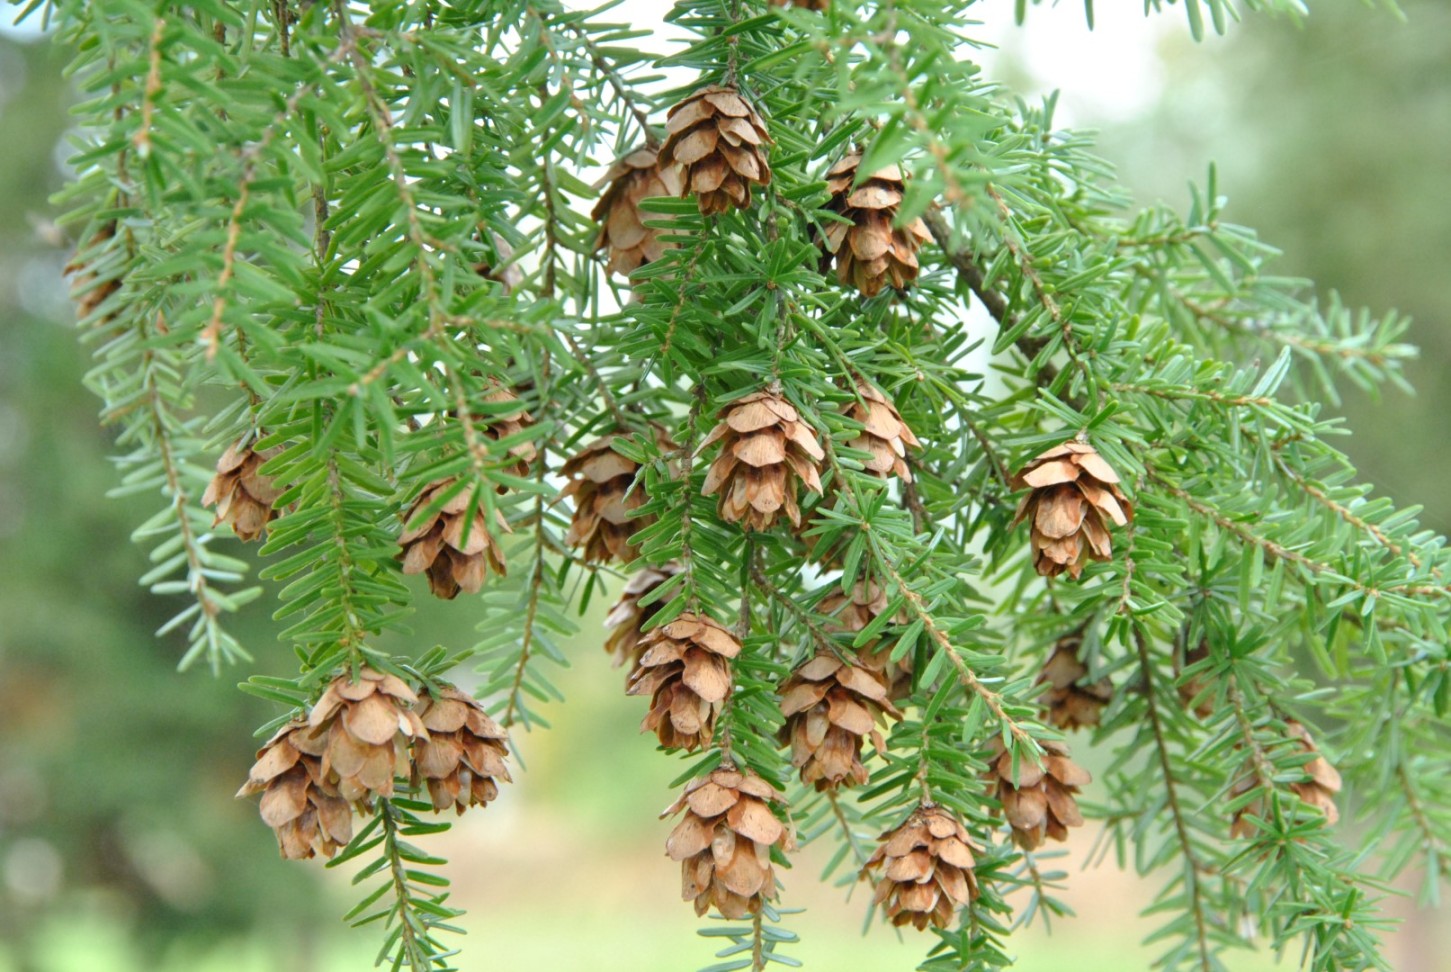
x: 365, y: 732
x: 356, y: 740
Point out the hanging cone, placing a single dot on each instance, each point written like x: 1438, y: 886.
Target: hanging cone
x: 926, y: 867
x: 803, y: 4
x: 503, y: 269
x: 1196, y: 685
x: 91, y: 285
x: 724, y: 841
x: 601, y: 481
x: 685, y: 669
x: 1042, y: 802
x: 506, y: 423
x: 1317, y: 790
x: 306, y: 813
x: 870, y: 252
x: 715, y: 149
x: 1073, y: 491
x: 1069, y: 701
x: 765, y: 451
x: 367, y: 725
x: 623, y: 233
x: 884, y: 434
x: 628, y: 616
x: 242, y: 495
x: 462, y: 758
x: 455, y: 550
x: 830, y: 706
x: 852, y: 614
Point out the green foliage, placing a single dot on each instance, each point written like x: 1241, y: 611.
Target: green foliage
x: 295, y: 202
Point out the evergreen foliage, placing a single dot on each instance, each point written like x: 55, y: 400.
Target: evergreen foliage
x: 354, y: 239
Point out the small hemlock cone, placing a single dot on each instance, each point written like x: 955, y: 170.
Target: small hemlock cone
x: 1318, y: 791
x: 242, y: 495
x: 685, y: 669
x: 803, y: 4
x: 926, y: 869
x: 714, y: 149
x: 462, y: 759
x: 1196, y: 685
x: 507, y: 273
x: 600, y: 483
x: 368, y: 724
x: 505, y: 424
x: 88, y: 288
x: 1071, y: 702
x: 1042, y: 803
x: 852, y: 614
x: 628, y: 616
x: 765, y: 450
x: 724, y: 841
x: 623, y: 233
x: 830, y: 706
x: 455, y: 550
x: 884, y: 435
x: 870, y: 252
x: 1073, y: 491
x: 307, y: 813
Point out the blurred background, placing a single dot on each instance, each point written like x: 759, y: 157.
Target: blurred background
x: 120, y: 844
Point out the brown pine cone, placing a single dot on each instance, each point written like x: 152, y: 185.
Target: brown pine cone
x: 884, y: 435
x: 875, y: 253
x: 436, y: 543
x: 628, y: 616
x: 90, y: 285
x: 765, y: 450
x: 685, y: 669
x: 1041, y: 805
x: 507, y: 273
x: 803, y: 4
x: 1073, y: 491
x: 307, y: 814
x: 600, y: 483
x: 926, y: 868
x: 462, y: 758
x: 242, y: 495
x: 714, y: 149
x: 724, y: 841
x: 623, y: 233
x: 506, y: 422
x: 830, y: 706
x: 1070, y: 702
x: 1196, y: 685
x: 854, y: 613
x: 368, y: 724
x: 1317, y: 791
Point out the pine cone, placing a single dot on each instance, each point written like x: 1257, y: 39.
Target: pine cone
x: 1193, y: 687
x: 1070, y: 702
x: 507, y: 274
x: 507, y: 423
x: 803, y: 4
x: 623, y: 233
x: 765, y: 449
x: 926, y: 869
x: 600, y: 482
x: 830, y: 706
x: 1318, y: 791
x: 368, y: 724
x: 1073, y: 490
x: 89, y: 287
x: 1042, y: 803
x: 628, y: 616
x: 884, y: 435
x: 436, y: 544
x: 876, y: 253
x: 462, y: 759
x: 685, y: 669
x: 713, y: 149
x: 853, y: 614
x: 307, y: 814
x: 243, y: 496
x: 724, y: 841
